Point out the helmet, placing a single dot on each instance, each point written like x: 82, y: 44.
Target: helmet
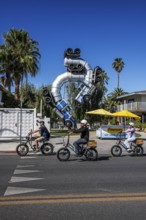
x: 131, y: 123
x: 84, y: 121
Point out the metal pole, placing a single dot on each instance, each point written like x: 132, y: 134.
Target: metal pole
x: 21, y: 100
x: 41, y: 108
x: 20, y: 119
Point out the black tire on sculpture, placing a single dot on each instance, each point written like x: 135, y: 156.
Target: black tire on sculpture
x: 68, y: 123
x: 86, y: 98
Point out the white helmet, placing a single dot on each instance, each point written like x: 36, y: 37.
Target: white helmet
x: 84, y: 121
x: 131, y: 123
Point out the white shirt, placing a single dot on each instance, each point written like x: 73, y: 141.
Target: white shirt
x: 130, y: 132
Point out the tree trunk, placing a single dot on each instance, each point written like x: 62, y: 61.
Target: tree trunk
x: 17, y: 89
x: 118, y: 80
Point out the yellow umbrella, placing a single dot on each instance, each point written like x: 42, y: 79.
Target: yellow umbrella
x: 126, y: 113
x: 100, y: 111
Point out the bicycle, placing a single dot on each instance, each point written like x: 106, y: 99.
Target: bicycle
x: 22, y: 149
x: 135, y: 147
x: 88, y: 150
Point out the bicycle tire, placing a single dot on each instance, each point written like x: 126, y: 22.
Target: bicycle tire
x: 47, y: 149
x: 138, y: 151
x: 63, y: 154
x: 116, y: 151
x: 22, y: 149
x: 91, y: 154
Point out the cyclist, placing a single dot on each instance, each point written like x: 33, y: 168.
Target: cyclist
x: 44, y: 134
x: 84, y: 135
x: 131, y: 135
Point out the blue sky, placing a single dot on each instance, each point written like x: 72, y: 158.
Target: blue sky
x: 102, y: 29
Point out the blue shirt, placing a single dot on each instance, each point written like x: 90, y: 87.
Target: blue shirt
x: 44, y: 132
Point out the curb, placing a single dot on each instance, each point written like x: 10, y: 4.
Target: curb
x: 8, y: 151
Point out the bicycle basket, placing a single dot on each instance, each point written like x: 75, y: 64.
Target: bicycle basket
x: 92, y: 143
x: 139, y: 142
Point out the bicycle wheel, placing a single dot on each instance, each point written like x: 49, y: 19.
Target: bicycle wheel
x: 138, y: 151
x: 22, y: 149
x: 63, y: 154
x: 91, y: 154
x: 47, y: 149
x: 116, y: 151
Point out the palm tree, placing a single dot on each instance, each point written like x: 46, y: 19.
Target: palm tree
x: 111, y: 102
x: 24, y: 57
x: 28, y: 94
x: 118, y: 65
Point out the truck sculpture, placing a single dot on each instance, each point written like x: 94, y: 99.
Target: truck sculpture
x: 78, y: 70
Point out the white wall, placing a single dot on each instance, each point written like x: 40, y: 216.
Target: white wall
x: 16, y: 122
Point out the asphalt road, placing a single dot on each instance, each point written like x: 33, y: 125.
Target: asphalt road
x: 40, y: 187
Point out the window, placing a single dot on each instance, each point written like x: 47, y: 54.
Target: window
x: 130, y: 100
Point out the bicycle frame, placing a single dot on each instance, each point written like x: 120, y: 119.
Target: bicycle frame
x: 121, y: 143
x: 29, y: 140
x: 69, y: 145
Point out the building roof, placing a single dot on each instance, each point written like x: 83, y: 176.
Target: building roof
x: 143, y: 92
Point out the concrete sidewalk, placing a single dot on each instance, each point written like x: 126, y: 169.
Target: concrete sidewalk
x: 103, y: 146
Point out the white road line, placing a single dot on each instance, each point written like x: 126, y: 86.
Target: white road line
x: 21, y: 166
x: 22, y: 179
x: 26, y: 171
x: 27, y: 157
x: 20, y: 190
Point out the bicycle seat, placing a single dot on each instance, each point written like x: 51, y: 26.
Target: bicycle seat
x: 45, y: 139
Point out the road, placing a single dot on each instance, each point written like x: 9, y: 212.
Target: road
x: 40, y: 187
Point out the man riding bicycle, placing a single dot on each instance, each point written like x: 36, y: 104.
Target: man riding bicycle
x: 84, y: 135
x: 44, y: 134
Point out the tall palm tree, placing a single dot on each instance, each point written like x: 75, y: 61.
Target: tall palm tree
x: 24, y: 57
x: 118, y: 65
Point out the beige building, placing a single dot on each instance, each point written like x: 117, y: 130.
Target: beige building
x: 134, y: 102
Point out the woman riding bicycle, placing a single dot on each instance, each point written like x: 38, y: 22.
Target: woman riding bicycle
x: 131, y: 135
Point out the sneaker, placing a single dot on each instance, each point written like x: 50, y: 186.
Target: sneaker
x: 129, y: 150
x: 34, y: 147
